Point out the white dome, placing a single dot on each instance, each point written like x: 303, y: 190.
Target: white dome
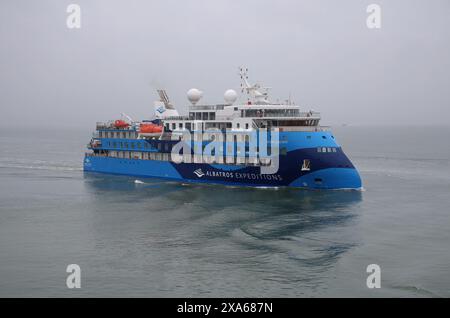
x: 194, y: 95
x: 230, y: 96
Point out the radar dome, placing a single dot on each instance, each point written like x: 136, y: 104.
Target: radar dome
x: 230, y: 96
x: 194, y: 95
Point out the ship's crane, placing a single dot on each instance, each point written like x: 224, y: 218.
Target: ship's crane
x: 165, y: 98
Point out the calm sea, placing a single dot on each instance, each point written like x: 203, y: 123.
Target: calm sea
x: 161, y: 239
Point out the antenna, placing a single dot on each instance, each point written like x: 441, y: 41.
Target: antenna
x: 253, y: 90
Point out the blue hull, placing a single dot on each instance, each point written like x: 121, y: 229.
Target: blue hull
x: 330, y: 167
x: 327, y: 178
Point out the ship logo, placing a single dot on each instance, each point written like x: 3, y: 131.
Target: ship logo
x: 199, y: 173
x: 161, y: 109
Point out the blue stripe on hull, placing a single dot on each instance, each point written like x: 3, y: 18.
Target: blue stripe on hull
x: 134, y: 167
x: 288, y: 175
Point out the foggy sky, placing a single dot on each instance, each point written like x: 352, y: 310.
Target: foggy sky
x: 320, y: 52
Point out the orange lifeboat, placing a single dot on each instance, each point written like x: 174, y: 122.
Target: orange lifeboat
x: 119, y: 123
x: 150, y: 129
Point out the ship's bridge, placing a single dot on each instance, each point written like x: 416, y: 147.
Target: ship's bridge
x: 245, y: 116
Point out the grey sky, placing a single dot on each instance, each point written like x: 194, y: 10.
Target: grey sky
x: 319, y: 51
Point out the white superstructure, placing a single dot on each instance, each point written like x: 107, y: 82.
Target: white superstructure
x: 256, y: 112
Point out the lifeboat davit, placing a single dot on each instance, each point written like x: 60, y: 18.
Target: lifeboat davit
x: 150, y: 129
x: 119, y: 123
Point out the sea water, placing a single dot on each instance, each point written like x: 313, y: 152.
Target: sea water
x: 146, y: 237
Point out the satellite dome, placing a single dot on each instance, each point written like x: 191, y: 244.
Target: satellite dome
x: 230, y: 96
x: 194, y: 95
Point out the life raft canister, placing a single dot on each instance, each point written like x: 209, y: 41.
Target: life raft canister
x: 150, y: 128
x: 119, y: 123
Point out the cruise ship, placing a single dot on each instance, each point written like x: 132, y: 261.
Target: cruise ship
x: 247, y: 140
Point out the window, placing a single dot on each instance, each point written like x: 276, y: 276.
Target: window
x: 180, y: 125
x: 328, y: 149
x: 318, y: 180
x: 324, y: 149
x: 324, y: 137
x: 308, y: 137
x: 246, y: 126
x: 174, y: 126
x: 132, y: 145
x: 238, y: 125
x: 319, y: 149
x: 334, y: 150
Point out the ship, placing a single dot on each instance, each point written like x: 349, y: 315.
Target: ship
x: 247, y: 140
